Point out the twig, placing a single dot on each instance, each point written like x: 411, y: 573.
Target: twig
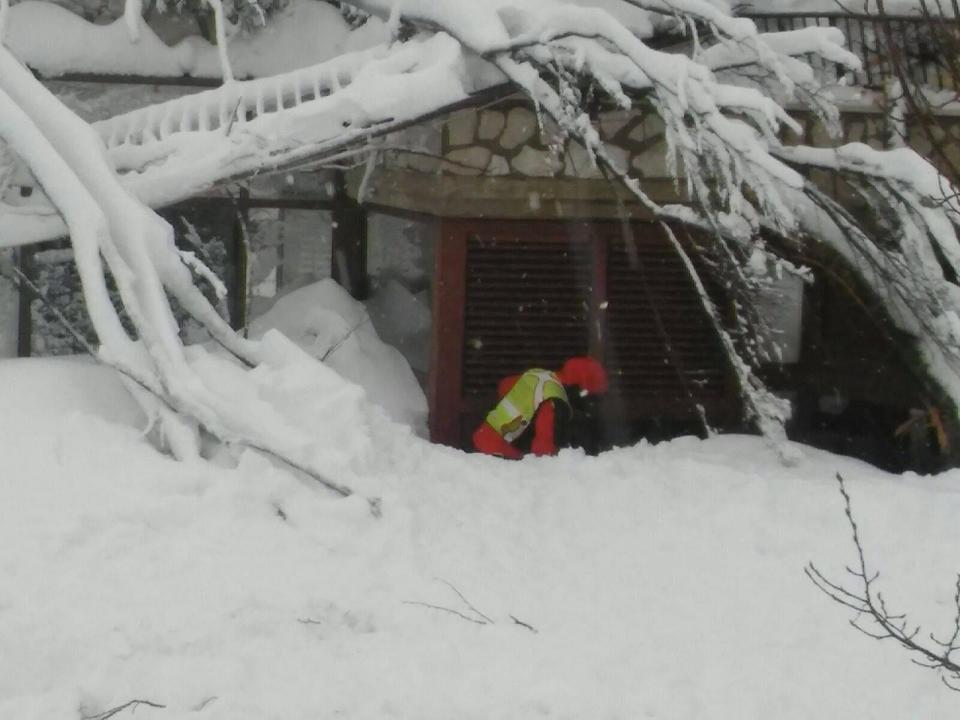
x: 119, y: 708
x: 447, y: 610
x: 868, y: 602
x: 521, y: 623
x: 336, y: 346
x: 479, y: 619
x: 465, y: 601
x: 203, y: 703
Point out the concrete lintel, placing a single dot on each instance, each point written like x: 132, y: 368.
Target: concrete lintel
x: 507, y: 197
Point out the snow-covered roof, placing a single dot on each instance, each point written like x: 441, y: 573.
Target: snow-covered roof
x: 304, y: 33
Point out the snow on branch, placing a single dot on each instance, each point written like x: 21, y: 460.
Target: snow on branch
x: 718, y: 135
x: 722, y: 143
x: 910, y: 258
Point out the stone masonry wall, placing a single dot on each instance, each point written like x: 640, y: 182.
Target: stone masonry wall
x: 507, y: 141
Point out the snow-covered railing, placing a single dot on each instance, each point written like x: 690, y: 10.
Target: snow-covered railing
x: 235, y: 103
x: 915, y: 43
x: 174, y: 150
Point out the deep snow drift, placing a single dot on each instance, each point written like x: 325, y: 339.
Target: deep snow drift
x: 657, y: 581
x: 327, y: 323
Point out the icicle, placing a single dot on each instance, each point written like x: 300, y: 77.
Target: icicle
x: 242, y: 110
x: 4, y: 12
x: 221, y: 40
x: 132, y: 10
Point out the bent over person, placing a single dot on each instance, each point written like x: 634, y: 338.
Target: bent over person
x: 537, y: 398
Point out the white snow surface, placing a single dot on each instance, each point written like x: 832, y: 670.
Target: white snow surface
x: 304, y: 33
x: 325, y: 321
x: 662, y: 581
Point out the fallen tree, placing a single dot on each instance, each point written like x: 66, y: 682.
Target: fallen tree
x: 723, y: 144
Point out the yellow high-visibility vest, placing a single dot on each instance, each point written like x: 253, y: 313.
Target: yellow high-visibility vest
x: 515, y: 411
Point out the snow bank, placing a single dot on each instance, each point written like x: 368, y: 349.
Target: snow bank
x: 54, y: 388
x: 657, y: 581
x: 403, y: 320
x: 327, y: 323
x: 304, y: 33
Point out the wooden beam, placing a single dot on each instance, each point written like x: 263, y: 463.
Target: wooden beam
x: 24, y: 316
x: 446, y: 361
x: 349, y: 247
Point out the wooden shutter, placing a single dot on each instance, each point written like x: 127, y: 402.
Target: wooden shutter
x: 660, y: 343
x: 511, y: 295
x: 527, y: 303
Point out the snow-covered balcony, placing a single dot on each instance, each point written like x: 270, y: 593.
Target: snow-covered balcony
x: 920, y: 49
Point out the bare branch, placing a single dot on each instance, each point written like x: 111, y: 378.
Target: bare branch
x: 132, y: 704
x: 446, y: 610
x: 884, y: 625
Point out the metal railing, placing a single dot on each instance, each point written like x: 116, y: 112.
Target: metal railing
x: 926, y: 49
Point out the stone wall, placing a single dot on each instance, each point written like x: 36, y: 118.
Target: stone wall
x: 508, y: 140
x: 498, y: 161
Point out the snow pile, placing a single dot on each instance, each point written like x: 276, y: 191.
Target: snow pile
x: 328, y: 324
x: 657, y: 581
x: 304, y: 33
x: 404, y: 321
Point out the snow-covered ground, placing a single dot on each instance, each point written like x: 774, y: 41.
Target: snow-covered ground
x: 651, y: 582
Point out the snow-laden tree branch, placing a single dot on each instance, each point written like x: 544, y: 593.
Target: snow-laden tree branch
x: 106, y: 221
x: 908, y: 253
x: 718, y: 135
x: 722, y: 144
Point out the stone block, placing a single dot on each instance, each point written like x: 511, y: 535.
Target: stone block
x: 462, y: 129
x: 651, y: 161
x: 468, y: 161
x: 498, y: 166
x: 521, y: 125
x: 610, y: 123
x: 492, y: 123
x: 578, y: 163
x: 651, y: 126
x: 421, y: 163
x: 535, y: 163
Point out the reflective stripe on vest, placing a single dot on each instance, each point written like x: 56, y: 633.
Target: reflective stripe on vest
x: 515, y: 411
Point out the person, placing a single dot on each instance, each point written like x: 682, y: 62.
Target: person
x: 537, y: 398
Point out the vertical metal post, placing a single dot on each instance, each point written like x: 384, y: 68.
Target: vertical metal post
x: 239, y: 300
x: 349, y: 247
x: 24, y: 260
